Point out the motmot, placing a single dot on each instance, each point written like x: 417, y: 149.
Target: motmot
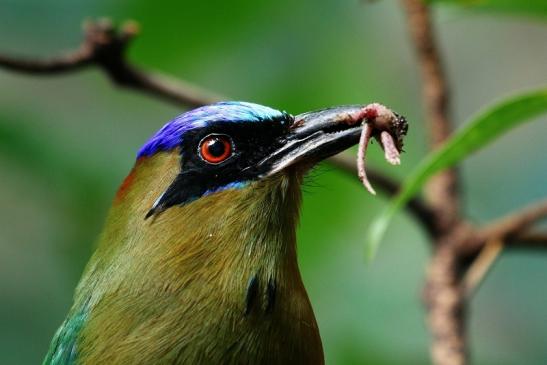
x: 197, y: 261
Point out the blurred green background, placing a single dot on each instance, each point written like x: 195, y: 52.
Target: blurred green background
x: 66, y: 142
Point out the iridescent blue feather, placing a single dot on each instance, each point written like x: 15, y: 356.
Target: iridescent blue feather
x: 171, y: 135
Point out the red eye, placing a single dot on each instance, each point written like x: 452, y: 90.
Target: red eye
x: 215, y: 148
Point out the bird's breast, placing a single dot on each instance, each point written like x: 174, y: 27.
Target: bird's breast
x: 215, y: 281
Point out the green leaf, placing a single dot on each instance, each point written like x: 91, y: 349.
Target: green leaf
x: 477, y: 133
x: 537, y: 8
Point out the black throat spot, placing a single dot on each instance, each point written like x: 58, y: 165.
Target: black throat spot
x: 251, y: 294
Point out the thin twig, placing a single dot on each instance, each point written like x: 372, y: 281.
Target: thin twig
x: 514, y: 224
x: 481, y: 266
x: 105, y: 47
x: 532, y: 240
x: 509, y: 231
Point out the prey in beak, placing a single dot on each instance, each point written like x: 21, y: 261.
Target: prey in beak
x: 314, y: 136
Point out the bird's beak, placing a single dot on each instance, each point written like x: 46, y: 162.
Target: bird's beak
x: 314, y: 136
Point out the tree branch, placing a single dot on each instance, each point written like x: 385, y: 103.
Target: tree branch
x: 442, y: 189
x: 511, y: 226
x: 474, y: 251
x: 513, y: 230
x: 532, y: 240
x: 445, y: 299
x: 445, y: 304
x: 105, y: 47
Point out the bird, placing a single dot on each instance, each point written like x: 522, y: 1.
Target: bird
x: 197, y: 261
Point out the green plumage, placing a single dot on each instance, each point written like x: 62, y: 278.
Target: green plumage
x: 174, y: 289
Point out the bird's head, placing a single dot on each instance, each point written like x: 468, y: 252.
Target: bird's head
x: 225, y: 179
x: 202, y: 232
x: 231, y: 145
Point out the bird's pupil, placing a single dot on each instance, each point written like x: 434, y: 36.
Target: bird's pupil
x: 216, y: 147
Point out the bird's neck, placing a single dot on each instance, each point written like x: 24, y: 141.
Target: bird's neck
x: 228, y: 258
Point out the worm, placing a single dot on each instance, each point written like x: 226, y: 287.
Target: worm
x: 388, y: 127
